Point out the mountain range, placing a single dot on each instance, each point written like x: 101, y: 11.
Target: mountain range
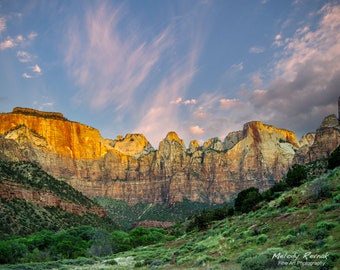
x: 129, y: 169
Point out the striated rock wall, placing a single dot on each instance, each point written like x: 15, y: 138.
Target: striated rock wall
x: 9, y: 190
x: 129, y: 169
x: 325, y: 141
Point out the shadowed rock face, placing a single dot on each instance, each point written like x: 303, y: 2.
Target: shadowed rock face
x: 129, y: 169
x: 325, y: 141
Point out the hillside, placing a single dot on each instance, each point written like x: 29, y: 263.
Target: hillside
x: 32, y: 200
x: 300, y: 229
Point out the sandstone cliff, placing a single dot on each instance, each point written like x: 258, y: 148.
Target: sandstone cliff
x: 129, y: 169
x: 322, y: 143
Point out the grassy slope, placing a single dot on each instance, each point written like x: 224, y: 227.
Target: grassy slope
x: 304, y: 219
x: 18, y: 216
x: 125, y: 215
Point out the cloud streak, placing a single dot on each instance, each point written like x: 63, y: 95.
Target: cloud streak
x: 108, y: 65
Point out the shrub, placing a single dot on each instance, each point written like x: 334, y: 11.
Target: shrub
x: 249, y: 253
x: 261, y: 239
x: 287, y: 240
x: 254, y: 263
x: 334, y: 159
x: 295, y: 176
x: 336, y: 199
x: 319, y: 189
x: 309, y: 244
x: 247, y: 199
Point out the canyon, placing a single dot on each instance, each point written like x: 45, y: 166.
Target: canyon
x: 129, y: 169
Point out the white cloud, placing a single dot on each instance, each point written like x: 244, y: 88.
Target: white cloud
x: 176, y: 101
x: 2, y: 24
x: 24, y: 57
x: 196, y: 130
x: 256, y: 50
x: 36, y: 69
x: 185, y: 102
x: 8, y: 43
x: 26, y: 76
x: 190, y: 101
x: 237, y: 67
x: 278, y: 42
x: 32, y: 35
x: 226, y: 104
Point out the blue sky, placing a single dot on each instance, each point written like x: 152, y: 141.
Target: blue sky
x: 200, y: 68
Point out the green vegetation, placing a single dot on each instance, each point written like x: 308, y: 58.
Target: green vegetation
x: 81, y: 241
x: 247, y: 199
x: 291, y: 227
x: 24, y: 217
x: 334, y: 159
x: 296, y: 175
x: 125, y: 215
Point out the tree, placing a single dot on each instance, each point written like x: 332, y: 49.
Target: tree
x: 247, y: 199
x: 334, y: 159
x: 295, y: 176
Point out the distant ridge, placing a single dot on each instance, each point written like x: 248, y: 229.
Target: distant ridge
x: 28, y: 111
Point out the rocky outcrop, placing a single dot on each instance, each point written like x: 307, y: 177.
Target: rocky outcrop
x: 129, y: 169
x: 325, y: 141
x: 9, y: 190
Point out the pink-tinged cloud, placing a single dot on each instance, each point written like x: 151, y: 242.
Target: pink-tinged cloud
x: 107, y: 64
x: 196, y: 130
x: 8, y: 43
x: 36, y: 69
x: 227, y: 104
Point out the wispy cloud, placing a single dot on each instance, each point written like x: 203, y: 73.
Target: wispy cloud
x: 108, y: 64
x: 32, y: 35
x: 27, y: 76
x: 185, y: 102
x: 2, y: 24
x: 278, y: 40
x: 307, y: 75
x: 256, y: 50
x: 24, y: 57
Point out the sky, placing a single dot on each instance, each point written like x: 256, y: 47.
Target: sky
x: 201, y: 68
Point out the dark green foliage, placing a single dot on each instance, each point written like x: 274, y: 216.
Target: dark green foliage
x: 275, y: 191
x: 322, y: 229
x: 141, y: 236
x: 334, y: 159
x: 296, y: 175
x: 82, y: 241
x: 21, y: 217
x: 247, y: 199
x: 125, y: 214
x: 202, y: 220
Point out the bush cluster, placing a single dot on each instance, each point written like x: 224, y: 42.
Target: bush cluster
x: 82, y: 241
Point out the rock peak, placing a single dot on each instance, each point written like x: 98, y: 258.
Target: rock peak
x: 33, y: 112
x: 330, y: 121
x: 172, y: 136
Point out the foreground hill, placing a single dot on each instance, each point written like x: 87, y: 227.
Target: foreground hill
x: 32, y: 200
x: 300, y: 229
x: 131, y: 170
